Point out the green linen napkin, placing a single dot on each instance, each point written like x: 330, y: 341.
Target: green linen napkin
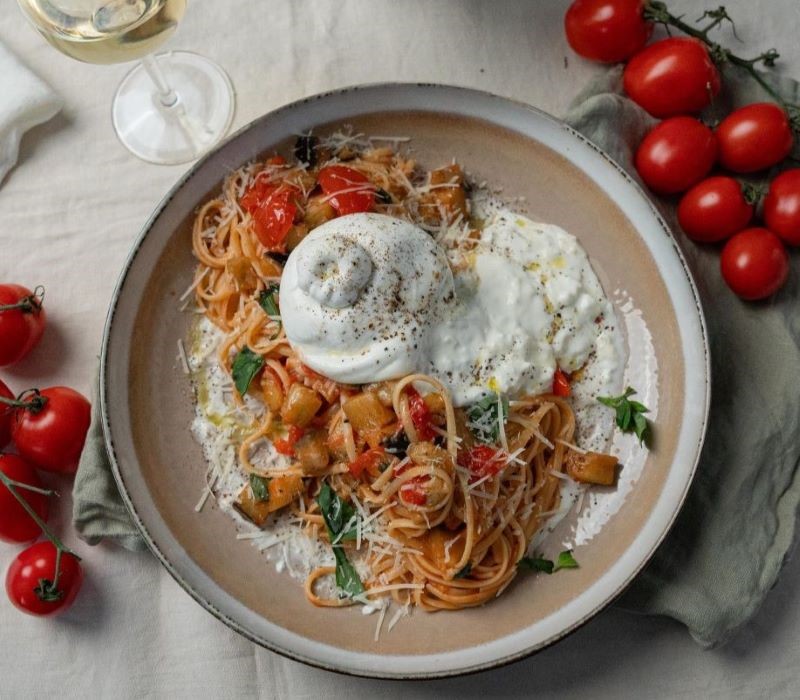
x: 725, y: 552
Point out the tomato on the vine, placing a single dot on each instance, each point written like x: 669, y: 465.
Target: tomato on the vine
x: 6, y: 413
x: 272, y: 207
x: 782, y: 206
x: 22, y: 320
x: 754, y: 137
x: 672, y: 76
x: 607, y: 30
x: 754, y: 263
x: 349, y: 190
x: 15, y: 523
x: 676, y: 154
x: 34, y: 586
x: 50, y: 429
x: 714, y: 209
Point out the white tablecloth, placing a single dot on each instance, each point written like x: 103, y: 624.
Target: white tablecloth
x: 74, y: 204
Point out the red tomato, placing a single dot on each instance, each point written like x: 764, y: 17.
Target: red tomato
x: 481, y: 461
x: 676, y: 154
x: 714, y: 209
x: 352, y: 191
x: 607, y: 30
x: 273, y: 209
x: 22, y: 320
x: 286, y: 446
x: 672, y: 76
x: 754, y: 137
x: 561, y: 383
x: 6, y: 412
x: 754, y: 263
x: 782, y: 206
x: 30, y: 579
x: 367, y: 461
x: 15, y: 524
x: 412, y: 491
x: 420, y: 415
x: 51, y: 434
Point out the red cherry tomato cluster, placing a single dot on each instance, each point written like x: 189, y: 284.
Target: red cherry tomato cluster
x: 273, y: 207
x: 47, y: 429
x: 674, y: 79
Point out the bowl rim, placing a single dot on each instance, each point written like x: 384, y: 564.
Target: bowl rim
x: 336, y: 665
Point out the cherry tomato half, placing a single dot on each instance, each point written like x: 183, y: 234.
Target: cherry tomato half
x: 672, y: 76
x: 30, y: 579
x: 349, y: 190
x: 607, y: 30
x: 420, y: 415
x: 481, y: 461
x: 273, y: 210
x: 561, y: 385
x: 413, y: 492
x: 676, y: 154
x: 754, y: 137
x: 782, y: 206
x: 52, y: 436
x: 6, y: 413
x: 22, y: 320
x: 15, y: 524
x: 754, y: 263
x: 714, y: 209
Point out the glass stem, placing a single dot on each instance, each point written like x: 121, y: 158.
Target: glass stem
x: 166, y: 95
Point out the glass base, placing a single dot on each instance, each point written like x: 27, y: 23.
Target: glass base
x: 181, y: 131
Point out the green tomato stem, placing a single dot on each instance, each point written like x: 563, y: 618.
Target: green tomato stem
x: 48, y: 533
x: 28, y: 304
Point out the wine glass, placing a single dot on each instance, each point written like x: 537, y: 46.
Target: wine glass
x: 170, y: 108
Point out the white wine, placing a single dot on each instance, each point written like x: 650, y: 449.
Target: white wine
x: 105, y: 31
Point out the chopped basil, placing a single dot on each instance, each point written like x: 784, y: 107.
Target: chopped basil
x: 484, y: 417
x: 565, y: 561
x: 630, y: 414
x: 536, y: 564
x: 305, y: 149
x: 347, y: 579
x: 340, y: 517
x: 260, y: 487
x: 269, y: 300
x: 466, y: 571
x: 341, y: 521
x: 246, y: 365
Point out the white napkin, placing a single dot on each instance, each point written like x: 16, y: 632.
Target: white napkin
x: 25, y: 101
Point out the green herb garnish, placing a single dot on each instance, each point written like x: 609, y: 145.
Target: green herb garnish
x: 341, y: 522
x: 630, y: 414
x: 347, y: 579
x: 339, y: 516
x: 246, y: 365
x: 466, y: 571
x: 484, y: 417
x: 260, y: 487
x: 269, y: 300
x: 565, y: 561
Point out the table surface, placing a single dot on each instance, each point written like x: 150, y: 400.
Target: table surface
x: 72, y: 208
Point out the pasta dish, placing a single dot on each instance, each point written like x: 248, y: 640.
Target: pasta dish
x: 396, y: 373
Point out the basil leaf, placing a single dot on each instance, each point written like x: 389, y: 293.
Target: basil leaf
x: 346, y: 575
x: 565, y: 561
x: 269, y: 300
x: 466, y: 571
x: 305, y: 149
x: 629, y: 414
x: 260, y: 487
x: 536, y: 564
x: 484, y: 417
x: 246, y: 365
x: 340, y: 517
